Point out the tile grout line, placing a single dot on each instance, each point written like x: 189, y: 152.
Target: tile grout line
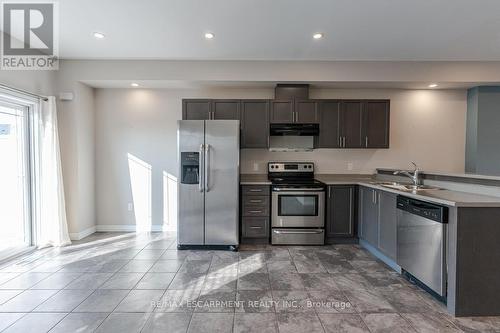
x: 15, y: 321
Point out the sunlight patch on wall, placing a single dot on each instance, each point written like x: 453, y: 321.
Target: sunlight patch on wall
x: 169, y: 202
x: 140, y: 182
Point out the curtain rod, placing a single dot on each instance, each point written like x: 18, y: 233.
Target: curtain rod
x: 23, y: 91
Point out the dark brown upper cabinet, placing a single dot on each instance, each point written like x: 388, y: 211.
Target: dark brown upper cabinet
x: 375, y: 130
x: 254, y: 124
x: 282, y: 111
x: 219, y: 109
x: 342, y: 123
x: 196, y: 109
x: 350, y: 124
x: 306, y: 112
x: 226, y: 109
x: 329, y: 124
x: 294, y: 111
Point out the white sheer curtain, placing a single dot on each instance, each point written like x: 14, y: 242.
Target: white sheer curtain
x: 51, y: 223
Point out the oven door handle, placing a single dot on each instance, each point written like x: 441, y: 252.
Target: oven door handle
x: 299, y: 189
x: 297, y: 232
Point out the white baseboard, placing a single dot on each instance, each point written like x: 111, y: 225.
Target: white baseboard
x: 126, y: 228
x: 82, y: 234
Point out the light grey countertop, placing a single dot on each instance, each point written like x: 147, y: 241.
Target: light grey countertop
x: 254, y: 179
x: 443, y: 197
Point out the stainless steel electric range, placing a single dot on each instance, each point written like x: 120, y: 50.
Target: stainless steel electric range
x: 298, y: 204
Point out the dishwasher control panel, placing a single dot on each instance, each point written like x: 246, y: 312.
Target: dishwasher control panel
x: 428, y: 210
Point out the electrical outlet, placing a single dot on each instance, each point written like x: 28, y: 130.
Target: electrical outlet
x: 350, y: 166
x: 256, y: 167
x: 130, y: 207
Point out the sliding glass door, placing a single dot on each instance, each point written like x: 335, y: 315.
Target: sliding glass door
x: 15, y: 192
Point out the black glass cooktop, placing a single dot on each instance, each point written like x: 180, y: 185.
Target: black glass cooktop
x: 296, y: 182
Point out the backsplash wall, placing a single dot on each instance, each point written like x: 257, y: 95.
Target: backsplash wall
x: 427, y: 126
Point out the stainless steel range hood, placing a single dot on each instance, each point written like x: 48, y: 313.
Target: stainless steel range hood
x: 291, y: 143
x: 294, y: 130
x: 292, y: 137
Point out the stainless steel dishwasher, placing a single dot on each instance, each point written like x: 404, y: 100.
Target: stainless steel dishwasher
x: 421, y: 239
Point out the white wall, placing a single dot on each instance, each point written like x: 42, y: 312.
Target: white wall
x: 77, y: 140
x: 38, y: 82
x: 426, y: 126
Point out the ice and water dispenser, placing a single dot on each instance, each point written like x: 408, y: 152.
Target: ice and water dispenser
x: 190, y: 167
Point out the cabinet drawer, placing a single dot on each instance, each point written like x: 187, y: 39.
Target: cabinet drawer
x: 256, y: 210
x: 255, y: 227
x: 254, y: 200
x: 255, y: 190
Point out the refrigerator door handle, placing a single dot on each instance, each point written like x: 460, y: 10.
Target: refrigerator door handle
x: 207, y: 167
x: 200, y: 179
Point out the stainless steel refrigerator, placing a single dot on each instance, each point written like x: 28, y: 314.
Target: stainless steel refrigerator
x: 208, y: 193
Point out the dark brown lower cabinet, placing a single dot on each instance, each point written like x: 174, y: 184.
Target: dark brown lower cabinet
x: 340, y: 212
x: 378, y: 220
x: 368, y: 215
x: 255, y: 214
x: 387, y: 240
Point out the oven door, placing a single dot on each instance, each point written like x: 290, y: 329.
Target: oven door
x: 296, y: 208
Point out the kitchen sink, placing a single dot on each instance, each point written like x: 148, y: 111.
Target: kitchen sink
x: 406, y: 187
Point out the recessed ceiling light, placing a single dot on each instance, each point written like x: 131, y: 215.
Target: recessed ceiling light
x: 135, y: 85
x: 433, y: 85
x: 99, y: 35
x: 318, y: 35
x: 209, y: 35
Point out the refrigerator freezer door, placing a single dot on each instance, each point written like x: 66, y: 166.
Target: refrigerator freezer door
x: 190, y: 139
x: 222, y: 155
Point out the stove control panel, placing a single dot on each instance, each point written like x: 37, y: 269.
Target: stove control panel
x: 291, y: 167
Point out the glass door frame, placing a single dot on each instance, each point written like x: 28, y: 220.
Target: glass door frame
x: 25, y: 105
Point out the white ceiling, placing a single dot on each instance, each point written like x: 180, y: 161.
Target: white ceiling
x: 281, y: 29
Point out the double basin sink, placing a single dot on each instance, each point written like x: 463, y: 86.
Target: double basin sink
x: 405, y: 187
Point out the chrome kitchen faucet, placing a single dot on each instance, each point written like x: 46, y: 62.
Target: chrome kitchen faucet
x: 414, y: 176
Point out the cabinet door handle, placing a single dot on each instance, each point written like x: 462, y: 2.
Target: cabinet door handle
x: 255, y: 190
x: 343, y: 141
x: 255, y: 201
x: 254, y: 227
x: 255, y: 211
x: 366, y: 141
x: 329, y: 191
